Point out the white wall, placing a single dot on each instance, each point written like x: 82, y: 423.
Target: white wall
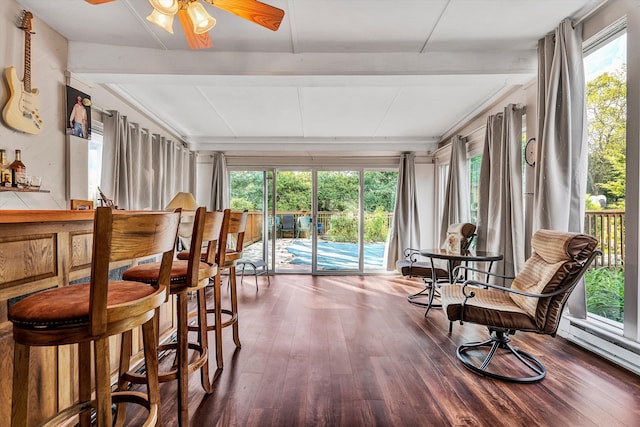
x: 204, y: 175
x: 43, y: 153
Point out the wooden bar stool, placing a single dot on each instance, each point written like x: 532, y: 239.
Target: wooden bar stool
x: 92, y: 312
x: 232, y: 242
x: 188, y: 275
x: 232, y: 253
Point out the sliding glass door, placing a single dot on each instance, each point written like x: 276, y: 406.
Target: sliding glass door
x: 338, y: 216
x: 316, y: 221
x: 379, y: 198
x: 293, y: 208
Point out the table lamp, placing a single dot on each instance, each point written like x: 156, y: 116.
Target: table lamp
x: 183, y: 200
x: 187, y: 203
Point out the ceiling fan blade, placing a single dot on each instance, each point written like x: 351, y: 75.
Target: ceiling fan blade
x: 262, y: 14
x: 97, y: 1
x: 195, y: 41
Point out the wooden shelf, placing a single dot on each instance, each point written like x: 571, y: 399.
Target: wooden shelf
x: 23, y: 190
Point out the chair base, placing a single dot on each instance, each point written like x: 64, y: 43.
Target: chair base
x: 118, y: 397
x: 428, y: 293
x: 231, y: 316
x: 256, y: 265
x: 171, y: 374
x: 499, y: 340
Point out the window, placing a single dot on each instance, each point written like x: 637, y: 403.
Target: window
x: 606, y: 91
x: 443, y: 174
x: 95, y: 160
x: 474, y: 186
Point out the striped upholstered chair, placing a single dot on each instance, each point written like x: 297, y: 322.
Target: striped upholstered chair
x: 533, y: 303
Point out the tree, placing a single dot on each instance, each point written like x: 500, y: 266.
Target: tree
x: 337, y: 191
x: 606, y: 113
x: 293, y: 191
x: 380, y: 190
x: 246, y: 190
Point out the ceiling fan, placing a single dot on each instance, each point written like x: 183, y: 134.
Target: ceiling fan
x: 196, y: 22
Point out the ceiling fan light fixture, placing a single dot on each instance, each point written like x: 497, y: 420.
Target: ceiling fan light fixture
x: 162, y: 20
x: 202, y: 21
x: 168, y: 7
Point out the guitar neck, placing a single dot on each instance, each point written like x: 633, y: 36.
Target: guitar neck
x: 27, y: 62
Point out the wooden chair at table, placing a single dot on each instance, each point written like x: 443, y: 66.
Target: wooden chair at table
x: 92, y: 312
x: 81, y: 205
x: 229, y: 252
x: 188, y: 275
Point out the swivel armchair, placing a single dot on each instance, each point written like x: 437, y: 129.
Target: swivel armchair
x: 533, y: 303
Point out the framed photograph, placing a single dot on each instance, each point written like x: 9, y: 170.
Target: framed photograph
x: 78, y: 118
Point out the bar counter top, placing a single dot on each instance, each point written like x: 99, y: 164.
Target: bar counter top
x: 34, y: 216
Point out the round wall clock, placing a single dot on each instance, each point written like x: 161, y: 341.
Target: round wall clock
x: 530, y: 151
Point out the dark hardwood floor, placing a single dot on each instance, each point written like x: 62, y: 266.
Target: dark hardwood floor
x: 350, y: 351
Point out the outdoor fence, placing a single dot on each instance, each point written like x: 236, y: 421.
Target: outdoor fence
x: 253, y: 232
x: 608, y: 227
x: 605, y: 225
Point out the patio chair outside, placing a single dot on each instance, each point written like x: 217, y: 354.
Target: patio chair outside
x: 270, y: 225
x: 288, y: 225
x: 304, y: 225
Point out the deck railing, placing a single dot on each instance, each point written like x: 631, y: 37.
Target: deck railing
x: 253, y: 232
x: 605, y: 225
x: 608, y: 227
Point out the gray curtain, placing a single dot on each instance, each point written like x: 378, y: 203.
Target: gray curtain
x: 140, y: 170
x: 405, y: 225
x: 219, y: 185
x: 561, y: 166
x: 456, y: 206
x: 500, y: 204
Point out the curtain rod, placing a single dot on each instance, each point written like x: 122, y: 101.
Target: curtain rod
x: 484, y: 126
x: 101, y: 110
x: 590, y: 13
x: 479, y: 128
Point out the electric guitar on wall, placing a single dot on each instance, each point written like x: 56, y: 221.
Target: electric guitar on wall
x: 21, y: 111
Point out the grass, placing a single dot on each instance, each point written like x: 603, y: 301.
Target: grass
x: 605, y: 293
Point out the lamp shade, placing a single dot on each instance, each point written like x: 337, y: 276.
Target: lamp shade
x: 168, y: 7
x: 162, y: 20
x: 202, y: 21
x: 183, y: 200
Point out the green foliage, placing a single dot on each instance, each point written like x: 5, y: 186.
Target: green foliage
x: 246, y: 190
x: 590, y: 205
x: 293, y: 191
x: 241, y: 204
x: 338, y: 191
x: 605, y: 292
x: 380, y: 190
x: 474, y: 186
x: 606, y: 113
x: 343, y: 227
x: 376, y: 225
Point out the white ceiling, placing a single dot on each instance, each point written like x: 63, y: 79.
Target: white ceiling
x: 339, y: 75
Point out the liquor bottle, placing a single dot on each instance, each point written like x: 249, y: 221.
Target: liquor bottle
x: 5, y: 172
x: 18, y: 170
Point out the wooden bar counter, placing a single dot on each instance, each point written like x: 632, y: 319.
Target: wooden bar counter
x: 40, y: 250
